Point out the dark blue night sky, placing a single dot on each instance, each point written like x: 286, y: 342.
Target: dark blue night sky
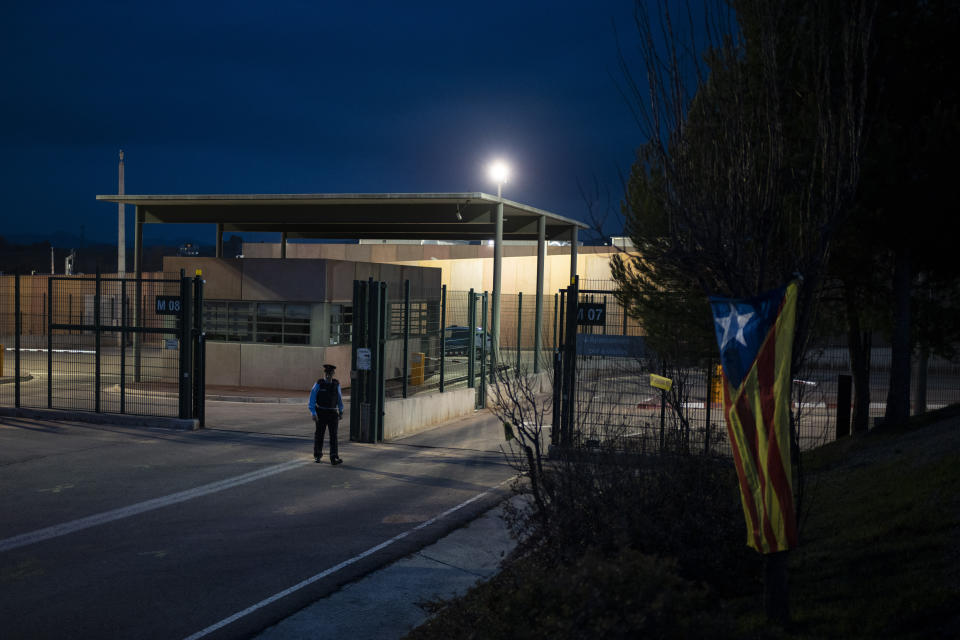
x: 305, y: 97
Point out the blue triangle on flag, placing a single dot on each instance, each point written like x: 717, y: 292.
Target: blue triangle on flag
x: 741, y: 326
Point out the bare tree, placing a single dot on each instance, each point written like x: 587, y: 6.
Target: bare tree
x: 752, y: 151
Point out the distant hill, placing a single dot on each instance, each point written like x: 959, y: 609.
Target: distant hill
x: 31, y: 254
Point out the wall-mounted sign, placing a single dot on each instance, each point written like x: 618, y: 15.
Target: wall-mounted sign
x: 363, y: 359
x: 168, y: 305
x: 171, y: 343
x: 616, y: 346
x: 591, y: 314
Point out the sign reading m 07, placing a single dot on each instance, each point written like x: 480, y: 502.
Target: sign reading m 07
x: 591, y: 314
x: 168, y: 305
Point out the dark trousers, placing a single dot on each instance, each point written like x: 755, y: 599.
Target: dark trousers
x: 323, y: 420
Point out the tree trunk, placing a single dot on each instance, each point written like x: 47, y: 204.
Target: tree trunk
x: 776, y: 592
x: 920, y: 398
x: 898, y: 394
x: 859, y: 343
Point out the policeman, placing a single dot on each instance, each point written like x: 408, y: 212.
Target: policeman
x: 326, y: 405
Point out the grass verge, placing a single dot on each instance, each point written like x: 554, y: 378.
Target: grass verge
x: 878, y: 558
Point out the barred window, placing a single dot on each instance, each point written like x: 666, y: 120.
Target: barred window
x: 267, y: 322
x: 341, y: 323
x: 419, y: 319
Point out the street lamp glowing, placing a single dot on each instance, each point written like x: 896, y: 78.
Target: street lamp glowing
x: 499, y: 173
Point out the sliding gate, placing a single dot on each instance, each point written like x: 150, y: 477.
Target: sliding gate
x: 603, y: 398
x: 110, y: 345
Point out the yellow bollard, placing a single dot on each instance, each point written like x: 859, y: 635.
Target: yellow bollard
x: 716, y: 393
x: 416, y: 368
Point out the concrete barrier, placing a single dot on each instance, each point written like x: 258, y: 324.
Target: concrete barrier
x: 407, y: 416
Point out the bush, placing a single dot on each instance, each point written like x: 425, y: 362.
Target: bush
x: 685, y: 507
x: 625, y: 595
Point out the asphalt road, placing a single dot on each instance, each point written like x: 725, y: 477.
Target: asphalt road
x: 131, y: 532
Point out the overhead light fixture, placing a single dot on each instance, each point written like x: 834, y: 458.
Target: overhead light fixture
x: 499, y: 173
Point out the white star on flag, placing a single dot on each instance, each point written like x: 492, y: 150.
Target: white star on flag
x: 733, y: 325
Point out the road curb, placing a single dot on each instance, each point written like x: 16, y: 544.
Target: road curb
x: 122, y: 419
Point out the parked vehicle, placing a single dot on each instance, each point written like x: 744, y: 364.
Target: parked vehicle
x: 457, y: 341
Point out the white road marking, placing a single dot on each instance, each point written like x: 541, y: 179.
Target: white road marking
x: 346, y: 563
x: 73, y: 526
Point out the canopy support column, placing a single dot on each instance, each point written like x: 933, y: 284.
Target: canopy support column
x: 538, y: 322
x: 573, y: 253
x: 495, y: 300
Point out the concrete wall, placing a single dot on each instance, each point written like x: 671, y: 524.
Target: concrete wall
x: 271, y: 366
x: 309, y: 280
x: 465, y: 266
x: 407, y: 416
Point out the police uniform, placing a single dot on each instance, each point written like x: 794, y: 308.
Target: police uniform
x: 326, y: 405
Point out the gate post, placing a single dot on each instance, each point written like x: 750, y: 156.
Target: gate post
x: 186, y: 384
x: 443, y: 333
x: 123, y: 344
x: 519, y: 326
x: 482, y: 397
x: 17, y: 328
x: 472, y: 327
x: 357, y: 377
x: 199, y: 351
x: 406, y: 335
x: 570, y: 362
x: 96, y: 341
x: 381, y: 346
x: 49, y: 342
x: 137, y: 323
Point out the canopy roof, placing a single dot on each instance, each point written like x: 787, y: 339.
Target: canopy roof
x: 389, y: 216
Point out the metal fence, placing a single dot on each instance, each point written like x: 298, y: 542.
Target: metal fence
x: 93, y: 343
x: 430, y: 334
x: 614, y: 401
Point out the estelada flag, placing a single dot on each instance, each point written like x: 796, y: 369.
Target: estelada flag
x: 755, y: 336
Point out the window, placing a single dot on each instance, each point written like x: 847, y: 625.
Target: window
x: 240, y: 321
x: 341, y: 323
x: 267, y: 322
x: 419, y: 319
x: 231, y: 321
x: 270, y: 323
x: 296, y: 324
x: 215, y: 319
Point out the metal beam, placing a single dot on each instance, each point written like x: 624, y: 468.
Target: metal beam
x: 538, y: 322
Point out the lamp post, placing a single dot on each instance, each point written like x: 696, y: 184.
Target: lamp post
x: 499, y: 173
x: 121, y: 227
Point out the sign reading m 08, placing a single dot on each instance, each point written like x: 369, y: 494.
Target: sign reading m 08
x: 168, y: 305
x: 591, y: 314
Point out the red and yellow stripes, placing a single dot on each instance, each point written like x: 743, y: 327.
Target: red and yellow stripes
x: 758, y: 422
